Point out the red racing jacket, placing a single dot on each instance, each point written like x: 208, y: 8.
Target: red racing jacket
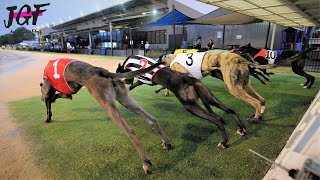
x: 54, y: 72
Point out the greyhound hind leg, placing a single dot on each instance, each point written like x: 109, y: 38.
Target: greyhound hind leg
x: 188, y: 98
x: 297, y: 68
x: 241, y: 94
x: 213, y: 118
x: 217, y: 103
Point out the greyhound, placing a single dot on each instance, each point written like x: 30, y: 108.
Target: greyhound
x: 67, y: 76
x: 233, y: 68
x: 186, y: 89
x: 263, y: 57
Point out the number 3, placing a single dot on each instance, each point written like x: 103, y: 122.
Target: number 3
x: 189, y: 55
x: 56, y: 75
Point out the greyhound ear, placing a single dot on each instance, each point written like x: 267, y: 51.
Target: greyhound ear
x: 249, y: 44
x: 119, y: 65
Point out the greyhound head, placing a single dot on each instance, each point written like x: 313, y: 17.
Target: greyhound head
x: 159, y: 59
x: 248, y: 49
x: 166, y: 59
x: 121, y: 69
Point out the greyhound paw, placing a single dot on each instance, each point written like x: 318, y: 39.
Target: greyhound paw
x: 253, y: 120
x: 166, y: 146
x: 301, y: 84
x: 146, y: 166
x: 242, y: 132
x: 223, y: 145
x: 47, y: 121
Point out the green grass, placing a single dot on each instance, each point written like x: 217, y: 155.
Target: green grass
x: 83, y: 143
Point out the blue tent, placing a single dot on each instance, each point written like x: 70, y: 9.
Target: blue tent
x: 175, y: 17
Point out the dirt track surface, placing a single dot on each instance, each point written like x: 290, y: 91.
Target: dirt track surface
x: 20, y: 76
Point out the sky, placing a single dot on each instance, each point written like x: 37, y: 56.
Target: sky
x: 60, y: 11
x: 57, y: 12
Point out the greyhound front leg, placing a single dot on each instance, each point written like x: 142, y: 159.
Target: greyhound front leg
x: 136, y: 84
x: 158, y: 90
x: 49, y: 113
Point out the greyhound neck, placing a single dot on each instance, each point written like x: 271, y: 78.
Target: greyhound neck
x: 254, y: 51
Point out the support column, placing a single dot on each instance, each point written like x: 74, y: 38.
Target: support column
x: 131, y: 41
x: 223, y: 34
x: 62, y: 44
x: 272, y: 37
x: 110, y: 27
x: 90, y: 39
x: 90, y: 48
x: 267, y: 39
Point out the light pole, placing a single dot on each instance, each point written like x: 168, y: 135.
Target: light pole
x: 38, y: 34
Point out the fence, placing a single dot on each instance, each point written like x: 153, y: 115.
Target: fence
x: 312, y: 64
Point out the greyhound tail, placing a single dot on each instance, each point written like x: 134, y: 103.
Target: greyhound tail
x: 255, y: 65
x: 127, y: 75
x: 296, y: 56
x: 258, y: 66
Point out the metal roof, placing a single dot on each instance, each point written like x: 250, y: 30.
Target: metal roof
x: 293, y: 13
x: 122, y: 11
x: 226, y: 17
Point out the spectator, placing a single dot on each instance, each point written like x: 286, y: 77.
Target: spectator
x: 210, y: 44
x: 197, y: 43
x: 90, y: 49
x: 146, y: 46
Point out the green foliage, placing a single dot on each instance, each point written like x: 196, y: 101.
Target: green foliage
x: 83, y: 143
x: 17, y: 36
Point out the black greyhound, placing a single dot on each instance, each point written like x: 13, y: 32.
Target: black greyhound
x: 263, y: 57
x: 68, y: 76
x: 186, y: 89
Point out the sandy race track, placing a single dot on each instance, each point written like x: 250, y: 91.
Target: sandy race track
x: 21, y: 74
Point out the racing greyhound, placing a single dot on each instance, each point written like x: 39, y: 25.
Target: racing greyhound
x: 67, y: 76
x: 185, y: 88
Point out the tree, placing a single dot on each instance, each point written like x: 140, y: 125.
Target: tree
x: 17, y: 36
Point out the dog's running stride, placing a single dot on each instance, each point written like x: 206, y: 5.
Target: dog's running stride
x: 297, y: 59
x: 186, y: 89
x: 67, y: 76
x: 233, y: 68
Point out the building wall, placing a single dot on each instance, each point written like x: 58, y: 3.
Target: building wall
x: 256, y: 34
x: 206, y: 32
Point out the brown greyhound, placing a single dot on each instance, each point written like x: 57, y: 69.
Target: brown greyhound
x: 187, y: 90
x: 67, y: 77
x: 233, y: 68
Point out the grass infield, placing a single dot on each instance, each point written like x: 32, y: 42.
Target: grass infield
x: 83, y: 143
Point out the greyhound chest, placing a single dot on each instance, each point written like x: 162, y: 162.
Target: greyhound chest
x: 54, y: 72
